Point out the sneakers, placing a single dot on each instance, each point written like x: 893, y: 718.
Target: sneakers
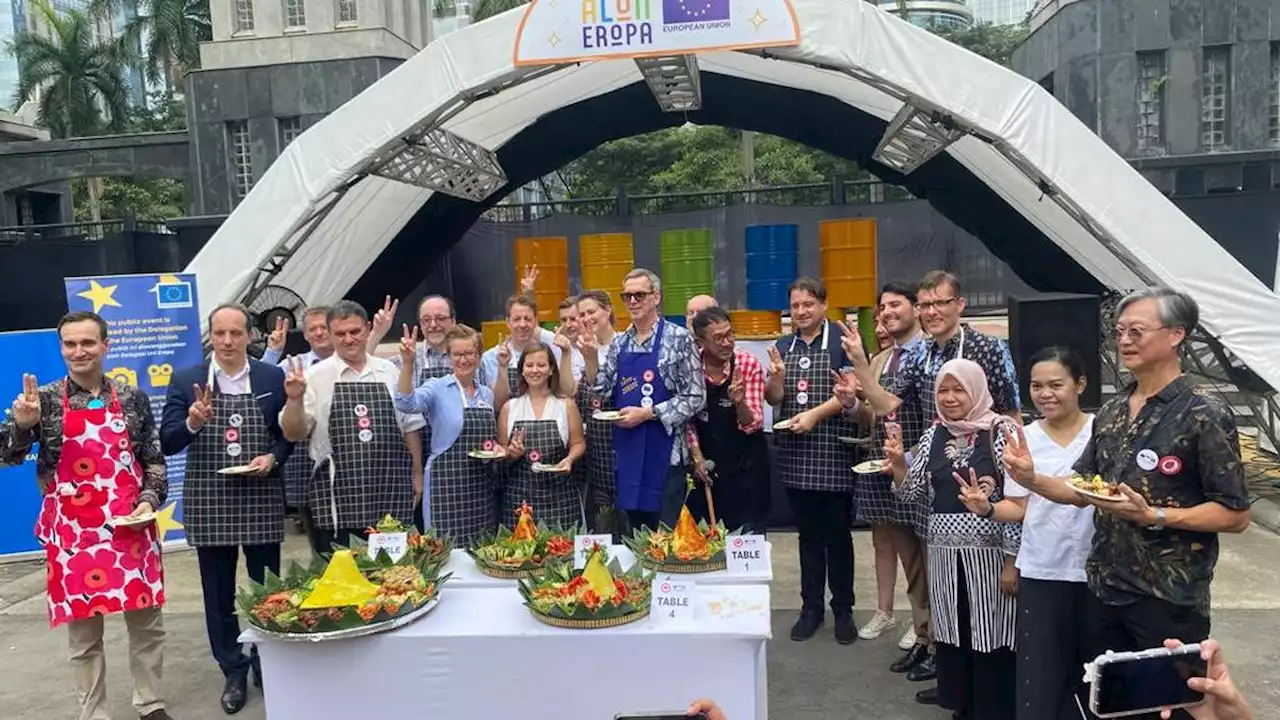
x: 909, y: 639
x: 879, y: 624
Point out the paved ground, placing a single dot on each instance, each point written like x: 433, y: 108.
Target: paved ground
x: 817, y: 680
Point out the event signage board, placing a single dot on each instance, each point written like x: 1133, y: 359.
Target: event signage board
x: 154, y: 329
x: 572, y: 31
x: 35, y: 352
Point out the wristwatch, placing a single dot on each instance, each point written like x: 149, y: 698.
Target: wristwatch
x: 1160, y: 519
x: 990, y: 513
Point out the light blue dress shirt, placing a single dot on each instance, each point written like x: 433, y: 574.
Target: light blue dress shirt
x: 440, y: 401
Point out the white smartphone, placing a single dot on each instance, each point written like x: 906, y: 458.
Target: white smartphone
x: 1133, y: 683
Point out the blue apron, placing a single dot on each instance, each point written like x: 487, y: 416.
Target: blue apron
x: 643, y: 453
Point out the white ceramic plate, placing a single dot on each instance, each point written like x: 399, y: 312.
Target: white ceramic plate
x: 542, y: 467
x: 238, y: 470
x: 607, y: 416
x: 784, y: 425
x: 486, y: 454
x: 131, y: 521
x: 871, y: 467
x: 1096, y: 496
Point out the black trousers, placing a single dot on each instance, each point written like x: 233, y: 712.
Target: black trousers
x: 975, y: 685
x: 672, y: 501
x: 826, y: 548
x: 218, y: 582
x: 1143, y: 625
x: 322, y: 541
x: 1052, y: 649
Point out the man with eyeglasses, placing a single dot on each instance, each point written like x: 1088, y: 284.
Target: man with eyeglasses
x: 939, y: 305
x: 1174, y: 449
x: 653, y: 374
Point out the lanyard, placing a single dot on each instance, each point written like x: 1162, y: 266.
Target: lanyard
x: 825, y: 326
x: 928, y: 365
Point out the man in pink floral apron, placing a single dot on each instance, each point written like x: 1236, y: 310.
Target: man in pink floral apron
x: 103, y: 476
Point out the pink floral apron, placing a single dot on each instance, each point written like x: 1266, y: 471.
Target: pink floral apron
x: 93, y: 568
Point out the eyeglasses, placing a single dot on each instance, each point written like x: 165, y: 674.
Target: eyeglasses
x: 464, y: 355
x: 939, y: 303
x: 635, y: 296
x: 437, y: 319
x: 1135, y: 334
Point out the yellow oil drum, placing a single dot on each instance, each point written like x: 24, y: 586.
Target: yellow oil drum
x: 847, y: 250
x: 748, y: 324
x: 551, y: 256
x: 492, y: 332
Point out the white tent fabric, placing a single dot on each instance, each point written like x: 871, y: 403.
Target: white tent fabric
x: 1023, y: 120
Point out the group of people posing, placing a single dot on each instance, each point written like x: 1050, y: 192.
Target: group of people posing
x: 1004, y: 562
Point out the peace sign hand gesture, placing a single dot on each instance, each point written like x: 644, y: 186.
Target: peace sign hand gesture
x: 382, y: 319
x: 201, y: 409
x: 295, y: 380
x: 851, y: 342
x: 515, y: 448
x: 737, y: 387
x: 776, y: 365
x: 1017, y: 457
x: 409, y: 345
x: 26, y: 407
x: 562, y: 341
x: 845, y: 388
x: 276, y: 339
x: 893, y: 450
x: 530, y: 279
x: 504, y: 354
x: 972, y: 494
x: 587, y: 344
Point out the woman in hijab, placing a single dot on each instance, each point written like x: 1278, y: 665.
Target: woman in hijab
x: 972, y: 580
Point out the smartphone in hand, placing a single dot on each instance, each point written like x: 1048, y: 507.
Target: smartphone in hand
x: 1135, y: 683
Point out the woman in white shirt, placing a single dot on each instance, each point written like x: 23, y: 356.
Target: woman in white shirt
x: 595, y: 313
x: 543, y: 437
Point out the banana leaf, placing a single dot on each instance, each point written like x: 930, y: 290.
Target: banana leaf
x: 639, y: 541
x: 503, y: 534
x: 639, y: 583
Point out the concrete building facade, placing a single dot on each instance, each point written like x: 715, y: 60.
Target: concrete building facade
x: 931, y: 13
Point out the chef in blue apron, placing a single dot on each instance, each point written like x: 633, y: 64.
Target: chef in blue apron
x: 653, y: 375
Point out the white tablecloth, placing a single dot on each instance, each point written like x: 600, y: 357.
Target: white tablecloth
x: 466, y: 575
x: 481, y: 655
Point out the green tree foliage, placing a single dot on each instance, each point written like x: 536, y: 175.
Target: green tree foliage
x: 144, y: 198
x: 993, y: 42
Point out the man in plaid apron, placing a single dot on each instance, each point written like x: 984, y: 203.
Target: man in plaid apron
x: 367, y: 455
x: 814, y: 464
x: 224, y: 414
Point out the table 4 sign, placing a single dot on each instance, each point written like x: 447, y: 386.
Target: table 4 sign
x: 672, y: 602
x: 746, y: 554
x: 582, y: 544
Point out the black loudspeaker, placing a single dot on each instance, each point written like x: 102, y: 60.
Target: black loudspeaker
x: 1044, y: 319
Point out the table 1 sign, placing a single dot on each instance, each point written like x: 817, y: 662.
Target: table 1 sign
x: 745, y: 554
x: 672, y: 601
x: 583, y: 543
x: 396, y: 544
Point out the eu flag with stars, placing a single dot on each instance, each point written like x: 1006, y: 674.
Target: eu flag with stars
x: 675, y: 12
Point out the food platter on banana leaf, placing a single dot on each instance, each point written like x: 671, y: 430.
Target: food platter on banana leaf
x: 691, y: 547
x: 345, y: 596
x: 523, y: 552
x: 426, y: 550
x: 598, y: 596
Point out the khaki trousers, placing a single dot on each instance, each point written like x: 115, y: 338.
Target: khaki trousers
x: 911, y: 553
x: 146, y: 659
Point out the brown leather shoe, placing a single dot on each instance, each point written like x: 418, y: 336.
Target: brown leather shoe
x: 157, y: 715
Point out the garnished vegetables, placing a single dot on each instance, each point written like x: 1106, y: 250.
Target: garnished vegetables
x: 524, y: 550
x: 597, y: 592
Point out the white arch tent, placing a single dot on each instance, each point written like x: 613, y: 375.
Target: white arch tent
x: 317, y: 219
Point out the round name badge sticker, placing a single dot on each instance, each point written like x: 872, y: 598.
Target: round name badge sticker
x: 595, y: 403
x: 117, y: 425
x: 802, y: 386
x: 891, y: 417
x: 534, y: 456
x: 236, y: 420
x: 805, y: 363
x: 646, y: 402
x: 232, y: 435
x: 363, y: 423
x: 123, y: 443
x: 1170, y: 465
x: 802, y: 398
x: 126, y: 458
x: 1147, y: 459
x: 233, y: 450
x: 361, y: 410
x: 646, y: 389
x: 487, y: 445
x: 365, y: 436
x: 648, y: 376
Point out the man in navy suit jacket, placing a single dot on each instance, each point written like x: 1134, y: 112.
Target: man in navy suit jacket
x: 224, y: 413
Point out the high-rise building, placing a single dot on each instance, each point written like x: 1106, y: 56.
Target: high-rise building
x: 1000, y: 12
x: 13, y: 20
x: 937, y: 14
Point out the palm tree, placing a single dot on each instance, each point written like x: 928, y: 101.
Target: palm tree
x: 77, y: 80
x: 166, y: 34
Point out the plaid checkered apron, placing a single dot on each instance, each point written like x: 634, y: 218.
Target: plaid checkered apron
x: 231, y: 509
x: 555, y: 498
x: 297, y: 474
x: 462, y: 487
x: 873, y: 493
x: 600, y: 456
x: 816, y: 460
x: 369, y: 473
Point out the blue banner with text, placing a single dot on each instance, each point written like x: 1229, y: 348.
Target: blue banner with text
x: 154, y: 329
x: 35, y: 352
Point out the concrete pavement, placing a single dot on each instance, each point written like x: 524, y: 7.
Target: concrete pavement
x: 816, y: 680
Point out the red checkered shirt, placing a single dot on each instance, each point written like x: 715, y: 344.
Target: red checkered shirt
x: 753, y: 382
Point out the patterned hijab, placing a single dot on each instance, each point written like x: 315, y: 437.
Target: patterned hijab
x: 974, y: 381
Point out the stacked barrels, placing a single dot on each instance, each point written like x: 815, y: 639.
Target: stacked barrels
x: 772, y: 264
x: 848, y: 261
x: 551, y: 256
x: 688, y: 269
x: 605, y: 260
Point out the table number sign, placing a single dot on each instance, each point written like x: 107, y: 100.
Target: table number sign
x: 745, y: 554
x: 396, y: 544
x: 672, y: 602
x: 583, y: 543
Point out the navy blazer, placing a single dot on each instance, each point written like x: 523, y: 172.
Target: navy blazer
x: 267, y: 382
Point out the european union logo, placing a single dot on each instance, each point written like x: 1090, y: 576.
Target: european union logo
x: 172, y: 295
x: 677, y: 12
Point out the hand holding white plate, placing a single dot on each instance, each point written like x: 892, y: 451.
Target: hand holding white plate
x: 486, y: 454
x: 133, y: 521
x: 607, y: 415
x: 871, y: 467
x: 239, y: 470
x: 783, y: 425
